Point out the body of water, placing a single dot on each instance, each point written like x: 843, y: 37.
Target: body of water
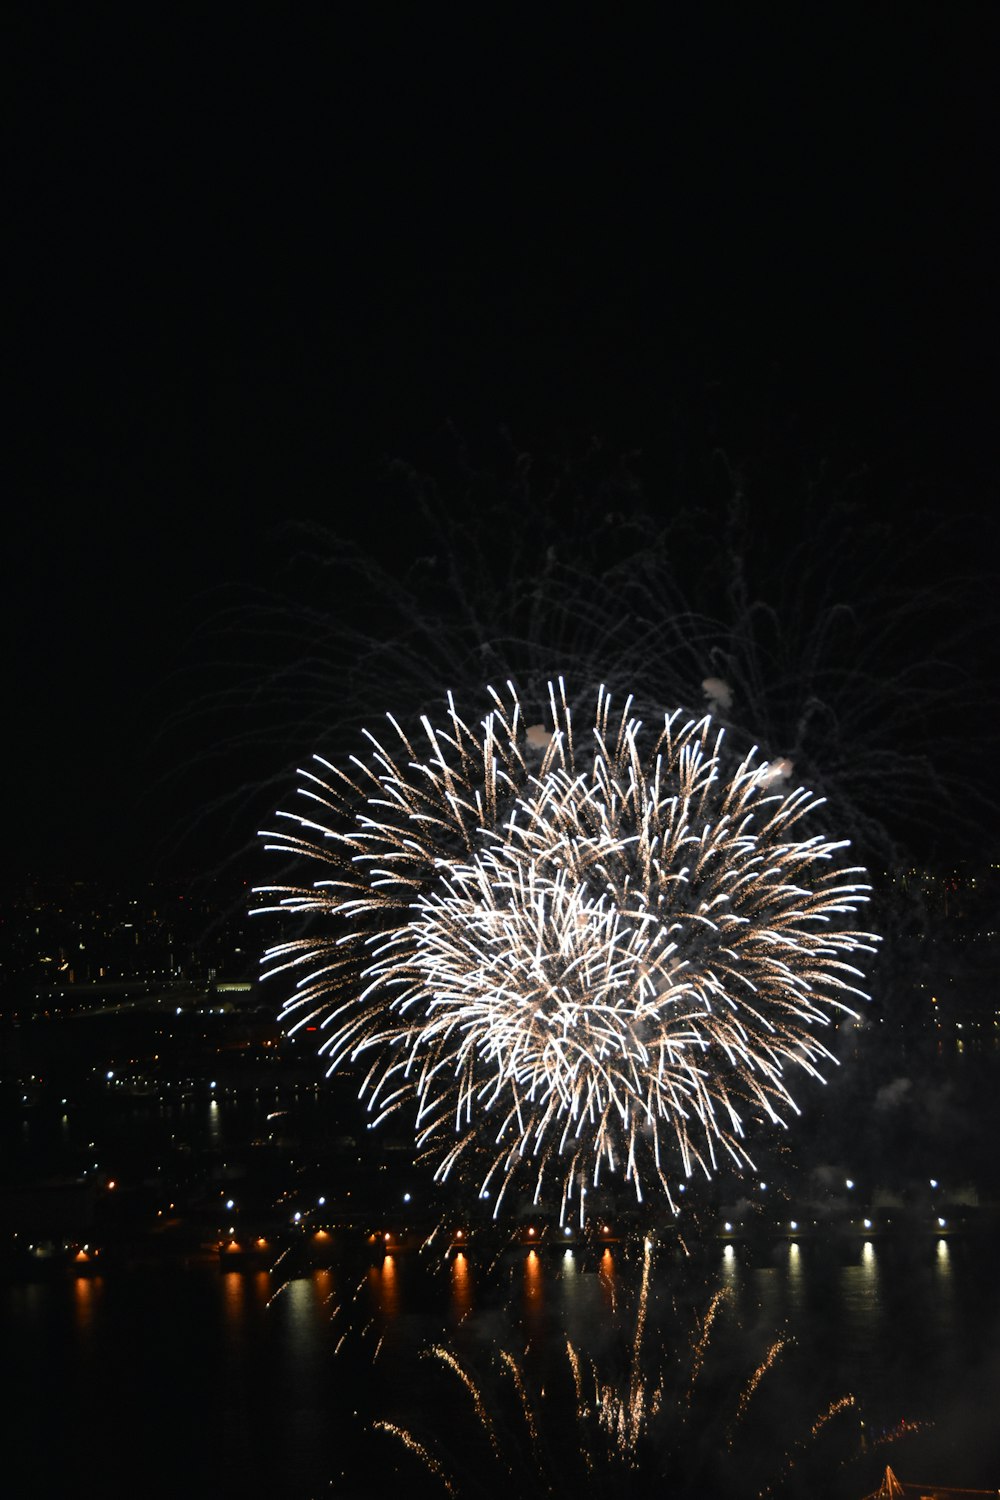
x: 221, y: 1382
x: 212, y: 1381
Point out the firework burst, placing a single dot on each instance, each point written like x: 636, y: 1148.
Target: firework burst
x: 845, y: 653
x: 571, y: 957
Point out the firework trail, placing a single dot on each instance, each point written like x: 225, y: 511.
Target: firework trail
x: 513, y: 1369
x: 843, y: 652
x: 833, y: 1410
x: 448, y: 1358
x: 700, y: 1343
x: 419, y: 1451
x: 570, y: 955
x: 753, y: 1383
x: 632, y: 1418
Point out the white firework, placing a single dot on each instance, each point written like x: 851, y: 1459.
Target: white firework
x: 569, y: 960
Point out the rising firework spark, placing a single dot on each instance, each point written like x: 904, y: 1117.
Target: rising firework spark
x: 572, y: 957
x: 638, y: 1414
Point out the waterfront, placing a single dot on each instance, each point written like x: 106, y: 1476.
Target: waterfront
x: 173, y: 1361
x: 238, y: 1382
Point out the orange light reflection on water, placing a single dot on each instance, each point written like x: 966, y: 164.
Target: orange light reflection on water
x: 384, y: 1284
x: 86, y: 1297
x: 533, y: 1284
x: 607, y: 1278
x: 461, y: 1285
x: 233, y: 1296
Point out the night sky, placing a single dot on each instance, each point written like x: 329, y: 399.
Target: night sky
x: 256, y: 256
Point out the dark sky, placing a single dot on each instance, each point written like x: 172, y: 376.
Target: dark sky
x: 255, y: 254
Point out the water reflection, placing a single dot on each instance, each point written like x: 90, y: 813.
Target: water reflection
x: 861, y: 1299
x: 299, y: 1307
x: 461, y: 1286
x: 896, y: 1325
x: 86, y: 1303
x: 796, y: 1278
x: 533, y: 1286
x: 384, y: 1284
x: 944, y: 1284
x: 730, y: 1267
x: 233, y: 1297
x: 767, y: 1286
x: 608, y: 1280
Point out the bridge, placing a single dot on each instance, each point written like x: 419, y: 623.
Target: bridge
x: 892, y: 1488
